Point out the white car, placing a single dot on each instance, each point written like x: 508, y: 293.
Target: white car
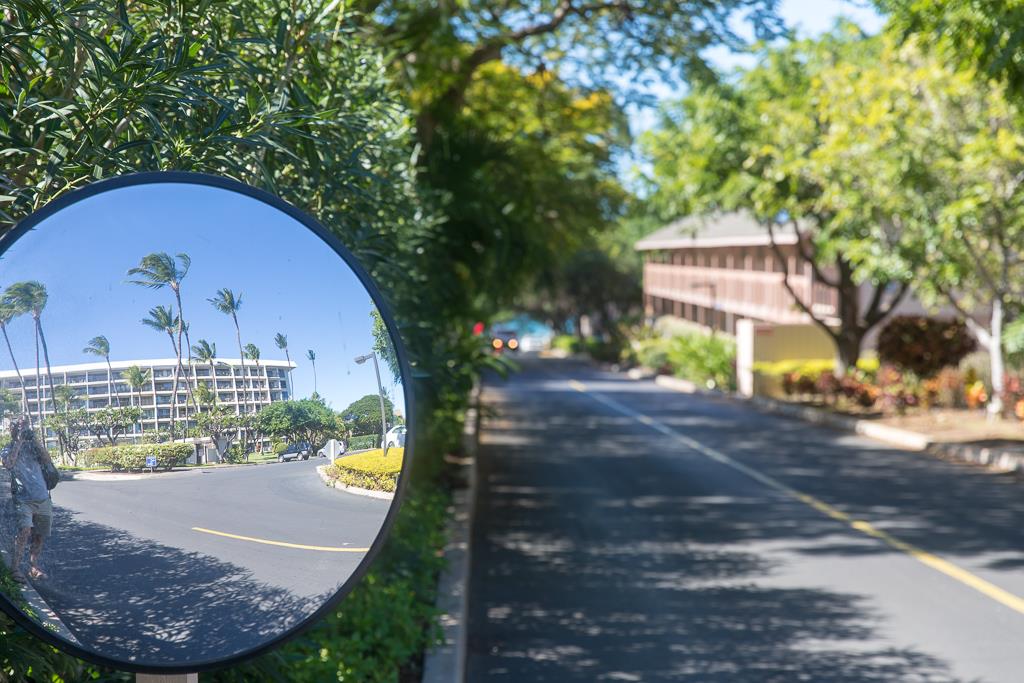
x: 395, y: 438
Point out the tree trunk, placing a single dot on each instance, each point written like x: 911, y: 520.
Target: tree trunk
x: 10, y: 350
x: 995, y: 352
x: 53, y: 396
x: 110, y: 384
x: 848, y: 344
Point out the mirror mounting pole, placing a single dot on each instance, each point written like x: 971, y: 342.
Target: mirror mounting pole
x: 166, y: 678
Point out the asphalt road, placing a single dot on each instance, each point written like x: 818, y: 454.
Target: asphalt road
x: 129, y: 572
x: 625, y: 532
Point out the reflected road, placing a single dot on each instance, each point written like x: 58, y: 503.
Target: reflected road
x: 204, y: 561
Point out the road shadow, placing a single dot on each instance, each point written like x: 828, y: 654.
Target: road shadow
x: 655, y: 578
x: 137, y: 600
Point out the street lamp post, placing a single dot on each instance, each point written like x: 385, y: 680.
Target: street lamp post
x: 380, y: 393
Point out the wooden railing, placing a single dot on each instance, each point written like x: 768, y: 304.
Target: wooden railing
x: 751, y: 293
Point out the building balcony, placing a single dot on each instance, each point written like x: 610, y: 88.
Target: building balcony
x: 761, y: 295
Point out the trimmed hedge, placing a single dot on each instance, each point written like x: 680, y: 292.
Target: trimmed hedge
x: 370, y: 470
x: 133, y: 456
x: 357, y: 443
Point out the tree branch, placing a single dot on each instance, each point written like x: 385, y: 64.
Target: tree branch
x: 781, y: 258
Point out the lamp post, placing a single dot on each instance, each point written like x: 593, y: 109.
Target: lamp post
x: 380, y: 393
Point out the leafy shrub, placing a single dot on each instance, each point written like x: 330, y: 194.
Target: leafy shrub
x: 566, y: 342
x: 653, y: 353
x: 357, y: 443
x: 604, y: 351
x: 924, y: 345
x: 370, y: 470
x: 703, y: 359
x: 133, y: 456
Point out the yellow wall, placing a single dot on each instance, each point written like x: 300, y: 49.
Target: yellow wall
x: 768, y: 343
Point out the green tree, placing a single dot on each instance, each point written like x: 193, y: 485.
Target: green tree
x: 382, y: 345
x: 159, y: 270
x: 311, y: 355
x: 363, y: 415
x: 31, y: 297
x: 227, y: 303
x: 252, y: 352
x: 137, y: 378
x: 223, y: 427
x: 206, y: 352
x: 110, y: 423
x: 69, y: 425
x: 99, y: 346
x: 162, y: 319
x: 757, y: 145
x: 7, y: 313
x: 302, y: 420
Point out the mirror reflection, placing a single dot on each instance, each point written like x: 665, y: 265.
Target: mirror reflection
x: 202, y: 418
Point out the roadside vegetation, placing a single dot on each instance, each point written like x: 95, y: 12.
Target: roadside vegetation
x: 369, y: 470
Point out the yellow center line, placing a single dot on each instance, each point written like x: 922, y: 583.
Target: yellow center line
x: 322, y: 548
x: 926, y: 558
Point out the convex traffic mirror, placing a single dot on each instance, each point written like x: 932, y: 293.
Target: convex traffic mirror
x: 203, y: 419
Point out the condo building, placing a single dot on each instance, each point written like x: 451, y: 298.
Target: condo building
x: 97, y: 387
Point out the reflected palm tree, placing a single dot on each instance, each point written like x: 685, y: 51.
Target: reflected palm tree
x: 227, y: 303
x: 162, y: 319
x: 7, y: 314
x: 206, y: 352
x: 252, y: 352
x: 99, y: 346
x: 312, y: 359
x: 282, y: 343
x: 30, y: 297
x: 159, y: 270
x: 137, y: 378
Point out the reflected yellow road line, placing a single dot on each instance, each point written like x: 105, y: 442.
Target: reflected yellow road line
x: 986, y: 588
x: 322, y: 548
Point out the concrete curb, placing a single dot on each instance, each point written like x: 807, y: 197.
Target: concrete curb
x: 45, y: 616
x: 354, y: 490
x: 446, y: 662
x: 997, y: 459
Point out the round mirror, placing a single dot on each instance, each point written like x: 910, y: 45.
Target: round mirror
x: 203, y: 421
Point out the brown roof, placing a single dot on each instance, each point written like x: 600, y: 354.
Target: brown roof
x: 733, y: 229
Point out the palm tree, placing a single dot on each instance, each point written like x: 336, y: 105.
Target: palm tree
x: 138, y: 378
x: 7, y: 314
x: 227, y: 303
x: 99, y: 346
x: 30, y: 297
x: 205, y: 352
x: 162, y: 319
x: 159, y: 270
x: 282, y: 343
x: 252, y: 352
x: 312, y: 359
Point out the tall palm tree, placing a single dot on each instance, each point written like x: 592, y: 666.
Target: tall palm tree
x: 252, y: 352
x: 30, y: 297
x: 206, y: 352
x: 137, y: 378
x: 159, y: 270
x: 7, y: 314
x: 99, y: 346
x: 162, y: 319
x: 282, y: 343
x: 227, y: 303
x: 312, y: 359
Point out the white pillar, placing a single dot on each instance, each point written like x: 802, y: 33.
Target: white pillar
x: 745, y: 356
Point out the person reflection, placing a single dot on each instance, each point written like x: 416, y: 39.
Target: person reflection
x: 25, y: 457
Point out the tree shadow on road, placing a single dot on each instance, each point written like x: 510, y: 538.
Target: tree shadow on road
x: 657, y: 578
x: 137, y: 600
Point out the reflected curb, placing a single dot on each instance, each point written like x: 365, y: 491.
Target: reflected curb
x: 47, y: 618
x: 354, y: 490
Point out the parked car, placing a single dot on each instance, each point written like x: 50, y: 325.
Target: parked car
x: 332, y: 449
x: 294, y: 451
x: 395, y: 438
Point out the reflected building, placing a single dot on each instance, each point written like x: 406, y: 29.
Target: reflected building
x: 96, y: 388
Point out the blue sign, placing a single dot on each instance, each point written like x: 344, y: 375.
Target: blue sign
x: 150, y: 461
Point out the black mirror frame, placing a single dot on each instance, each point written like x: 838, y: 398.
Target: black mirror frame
x: 329, y: 239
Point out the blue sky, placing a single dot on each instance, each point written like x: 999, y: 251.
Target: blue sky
x: 289, y: 280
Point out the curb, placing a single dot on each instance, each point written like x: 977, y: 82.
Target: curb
x: 998, y: 459
x: 446, y: 662
x: 354, y: 490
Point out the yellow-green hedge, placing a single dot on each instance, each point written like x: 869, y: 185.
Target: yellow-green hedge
x: 369, y: 470
x: 133, y: 456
